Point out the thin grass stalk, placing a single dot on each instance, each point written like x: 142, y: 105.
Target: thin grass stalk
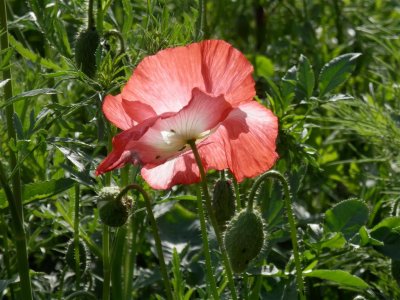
x: 204, y: 236
x: 292, y: 222
x: 213, y: 220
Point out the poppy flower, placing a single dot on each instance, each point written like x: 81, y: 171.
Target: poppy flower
x: 202, y: 92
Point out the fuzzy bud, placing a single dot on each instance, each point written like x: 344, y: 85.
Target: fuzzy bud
x: 113, y: 212
x: 70, y: 257
x: 244, y: 239
x: 86, y: 45
x: 223, y: 202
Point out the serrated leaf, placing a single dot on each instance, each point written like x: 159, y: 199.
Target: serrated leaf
x: 40, y: 190
x: 305, y: 77
x: 347, y: 217
x: 27, y: 94
x: 342, y: 278
x: 28, y: 54
x: 336, y: 72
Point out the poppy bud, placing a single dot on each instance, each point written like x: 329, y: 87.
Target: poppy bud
x: 244, y: 239
x: 85, y: 51
x: 223, y: 202
x: 71, y: 258
x: 113, y: 212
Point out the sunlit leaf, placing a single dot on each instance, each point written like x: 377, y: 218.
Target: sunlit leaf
x: 342, y: 278
x: 336, y: 72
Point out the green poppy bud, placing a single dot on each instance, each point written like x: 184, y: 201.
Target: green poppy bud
x: 70, y: 256
x: 223, y: 202
x: 86, y: 45
x: 244, y: 239
x: 113, y: 212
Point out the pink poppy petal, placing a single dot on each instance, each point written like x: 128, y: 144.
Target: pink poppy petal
x: 179, y: 170
x: 245, y: 142
x: 165, y: 80
x: 227, y: 71
x: 169, y: 135
x: 115, y: 113
x: 138, y: 111
x: 121, y: 154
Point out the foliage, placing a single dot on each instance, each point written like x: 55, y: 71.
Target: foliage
x: 327, y: 69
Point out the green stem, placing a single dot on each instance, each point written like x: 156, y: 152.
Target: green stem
x: 117, y: 254
x: 214, y: 223
x: 292, y: 223
x: 106, y: 263
x: 130, y: 261
x: 14, y: 197
x: 100, y: 17
x: 6, y: 256
x: 201, y: 23
x: 76, y: 238
x: 156, y: 235
x: 106, y: 235
x: 90, y: 15
x: 20, y: 240
x: 237, y: 194
x: 209, y: 270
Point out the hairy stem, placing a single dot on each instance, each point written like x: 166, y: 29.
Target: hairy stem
x: 292, y: 222
x: 156, y: 235
x: 76, y: 238
x: 204, y: 236
x: 214, y: 223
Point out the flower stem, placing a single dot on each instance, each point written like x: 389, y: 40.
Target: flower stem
x: 214, y: 223
x: 237, y: 194
x: 209, y: 270
x: 14, y: 197
x: 77, y: 254
x: 156, y: 235
x: 106, y: 263
x: 292, y: 223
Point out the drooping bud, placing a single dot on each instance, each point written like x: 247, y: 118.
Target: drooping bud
x: 113, y: 212
x: 85, y: 51
x: 244, y: 239
x: 223, y: 202
x: 71, y: 256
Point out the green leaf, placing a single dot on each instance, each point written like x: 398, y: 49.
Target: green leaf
x: 40, y: 190
x: 31, y: 93
x: 347, y: 217
x: 288, y: 85
x: 388, y: 232
x: 263, y: 66
x: 305, y: 77
x: 336, y: 72
x: 28, y: 54
x: 342, y: 278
